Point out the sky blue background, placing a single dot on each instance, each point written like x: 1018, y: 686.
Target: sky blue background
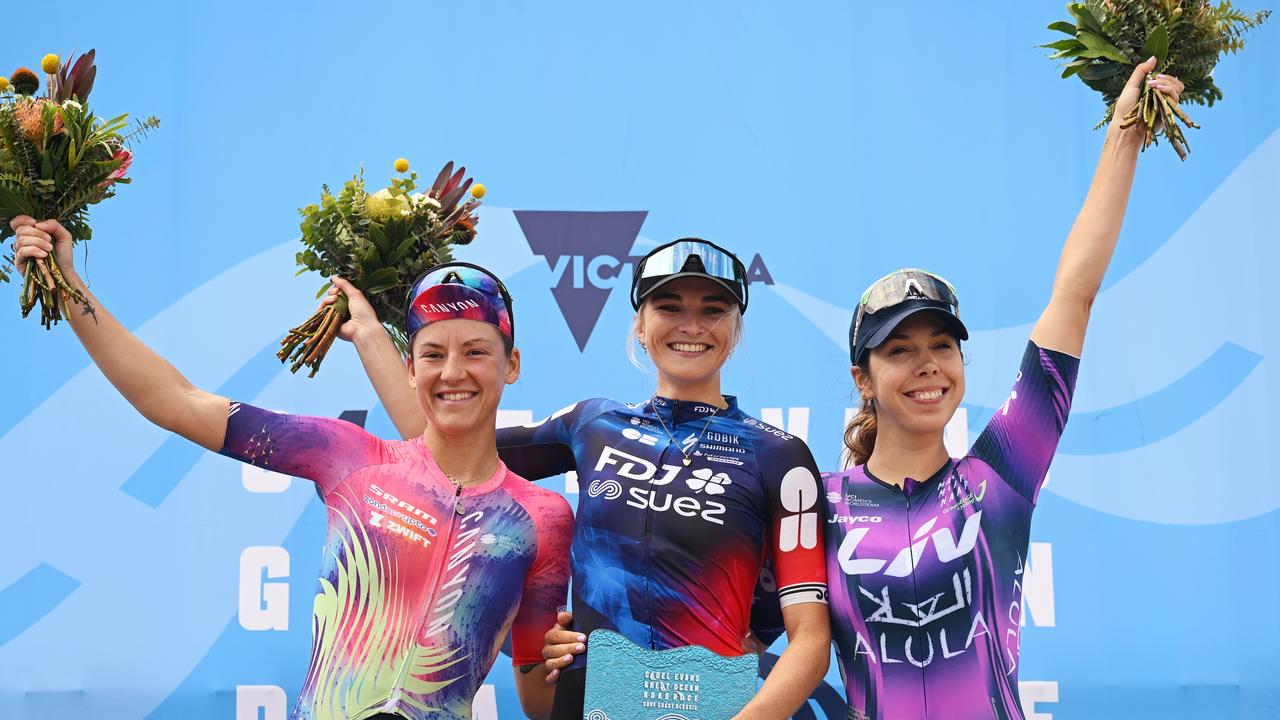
x: 837, y: 140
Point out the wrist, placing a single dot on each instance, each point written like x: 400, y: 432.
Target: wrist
x: 366, y: 334
x: 1125, y: 139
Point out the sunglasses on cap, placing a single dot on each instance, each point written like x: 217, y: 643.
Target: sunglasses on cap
x: 689, y: 257
x: 919, y: 287
x: 467, y: 275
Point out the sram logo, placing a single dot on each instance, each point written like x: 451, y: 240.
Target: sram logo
x: 637, y: 469
x: 909, y: 557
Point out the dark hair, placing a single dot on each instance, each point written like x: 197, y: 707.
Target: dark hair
x: 860, y: 433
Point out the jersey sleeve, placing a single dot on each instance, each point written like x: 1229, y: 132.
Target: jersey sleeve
x: 1020, y: 439
x: 797, y: 513
x: 766, y: 611
x: 545, y: 448
x: 323, y: 450
x: 546, y: 585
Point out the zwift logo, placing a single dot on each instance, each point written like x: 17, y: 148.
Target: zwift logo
x: 589, y: 253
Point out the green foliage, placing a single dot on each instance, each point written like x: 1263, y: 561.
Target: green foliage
x: 382, y: 241
x: 1111, y: 37
x: 56, y: 160
x: 61, y: 171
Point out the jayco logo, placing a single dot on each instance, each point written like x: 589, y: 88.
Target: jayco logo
x: 589, y: 253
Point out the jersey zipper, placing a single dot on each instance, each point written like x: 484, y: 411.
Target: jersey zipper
x: 915, y: 594
x: 432, y: 589
x: 648, y: 535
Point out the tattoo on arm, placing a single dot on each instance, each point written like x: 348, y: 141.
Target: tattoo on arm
x: 526, y: 669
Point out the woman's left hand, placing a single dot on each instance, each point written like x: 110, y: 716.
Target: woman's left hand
x: 1171, y: 86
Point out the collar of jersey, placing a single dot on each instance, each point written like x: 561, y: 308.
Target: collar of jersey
x: 494, y: 481
x: 682, y: 411
x: 911, y: 486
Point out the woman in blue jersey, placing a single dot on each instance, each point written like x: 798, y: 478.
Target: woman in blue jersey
x: 684, y: 496
x: 925, y: 553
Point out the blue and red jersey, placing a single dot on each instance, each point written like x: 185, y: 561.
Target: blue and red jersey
x: 926, y: 580
x: 668, y: 553
x: 420, y: 580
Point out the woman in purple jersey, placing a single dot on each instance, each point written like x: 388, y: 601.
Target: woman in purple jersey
x: 925, y: 553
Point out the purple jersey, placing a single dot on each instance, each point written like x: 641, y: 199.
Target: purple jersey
x: 926, y: 581
x: 420, y: 579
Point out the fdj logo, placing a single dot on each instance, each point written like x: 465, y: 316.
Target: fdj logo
x: 629, y: 467
x: 589, y: 253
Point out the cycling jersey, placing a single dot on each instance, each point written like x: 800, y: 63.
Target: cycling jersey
x: 420, y: 579
x: 926, y: 590
x: 665, y: 553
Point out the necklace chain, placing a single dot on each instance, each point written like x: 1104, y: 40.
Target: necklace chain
x: 459, y: 507
x: 684, y: 455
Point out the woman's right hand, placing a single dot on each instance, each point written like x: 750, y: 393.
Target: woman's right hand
x: 562, y: 643
x: 363, y: 318
x: 38, y: 239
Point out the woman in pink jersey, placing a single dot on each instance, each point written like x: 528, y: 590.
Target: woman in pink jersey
x: 435, y: 550
x: 925, y: 553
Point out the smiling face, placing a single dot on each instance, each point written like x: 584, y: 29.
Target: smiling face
x: 459, y: 368
x: 689, y: 326
x: 916, y: 377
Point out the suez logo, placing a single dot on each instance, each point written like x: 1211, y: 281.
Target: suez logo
x: 798, y: 494
x: 589, y: 254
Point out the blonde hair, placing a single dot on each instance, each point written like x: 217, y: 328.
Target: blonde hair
x: 736, y: 330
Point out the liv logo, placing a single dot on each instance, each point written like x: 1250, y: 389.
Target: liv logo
x: 589, y: 253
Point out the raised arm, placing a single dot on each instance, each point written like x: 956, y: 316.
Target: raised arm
x: 1092, y: 239
x: 382, y: 362
x: 145, y: 379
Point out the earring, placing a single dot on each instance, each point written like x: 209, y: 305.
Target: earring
x: 644, y: 348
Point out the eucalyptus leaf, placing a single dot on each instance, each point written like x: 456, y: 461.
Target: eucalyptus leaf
x: 1100, y: 48
x: 1158, y: 45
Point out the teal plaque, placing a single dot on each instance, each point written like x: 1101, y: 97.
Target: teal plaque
x: 627, y: 682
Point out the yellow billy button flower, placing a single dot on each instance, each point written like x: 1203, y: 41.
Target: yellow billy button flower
x: 49, y: 63
x: 402, y: 165
x: 4, y: 83
x: 477, y: 191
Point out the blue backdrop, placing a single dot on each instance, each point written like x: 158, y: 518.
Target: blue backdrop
x: 831, y: 142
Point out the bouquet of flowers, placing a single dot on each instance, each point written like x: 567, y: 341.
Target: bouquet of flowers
x: 56, y: 159
x: 1111, y: 37
x: 381, y: 242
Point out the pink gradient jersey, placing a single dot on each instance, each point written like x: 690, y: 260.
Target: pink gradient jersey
x: 419, y: 581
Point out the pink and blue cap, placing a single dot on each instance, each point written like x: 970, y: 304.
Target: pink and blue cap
x: 459, y: 290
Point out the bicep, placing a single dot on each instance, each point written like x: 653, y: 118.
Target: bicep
x: 1062, y: 325
x: 809, y: 620
x: 201, y: 417
x: 536, y: 695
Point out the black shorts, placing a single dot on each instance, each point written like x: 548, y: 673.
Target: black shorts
x: 571, y: 690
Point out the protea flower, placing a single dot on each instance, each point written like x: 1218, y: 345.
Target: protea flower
x: 125, y: 158
x: 30, y: 117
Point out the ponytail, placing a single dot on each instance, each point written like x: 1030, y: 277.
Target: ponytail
x: 860, y: 434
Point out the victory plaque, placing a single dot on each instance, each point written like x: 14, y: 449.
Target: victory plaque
x: 627, y: 682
